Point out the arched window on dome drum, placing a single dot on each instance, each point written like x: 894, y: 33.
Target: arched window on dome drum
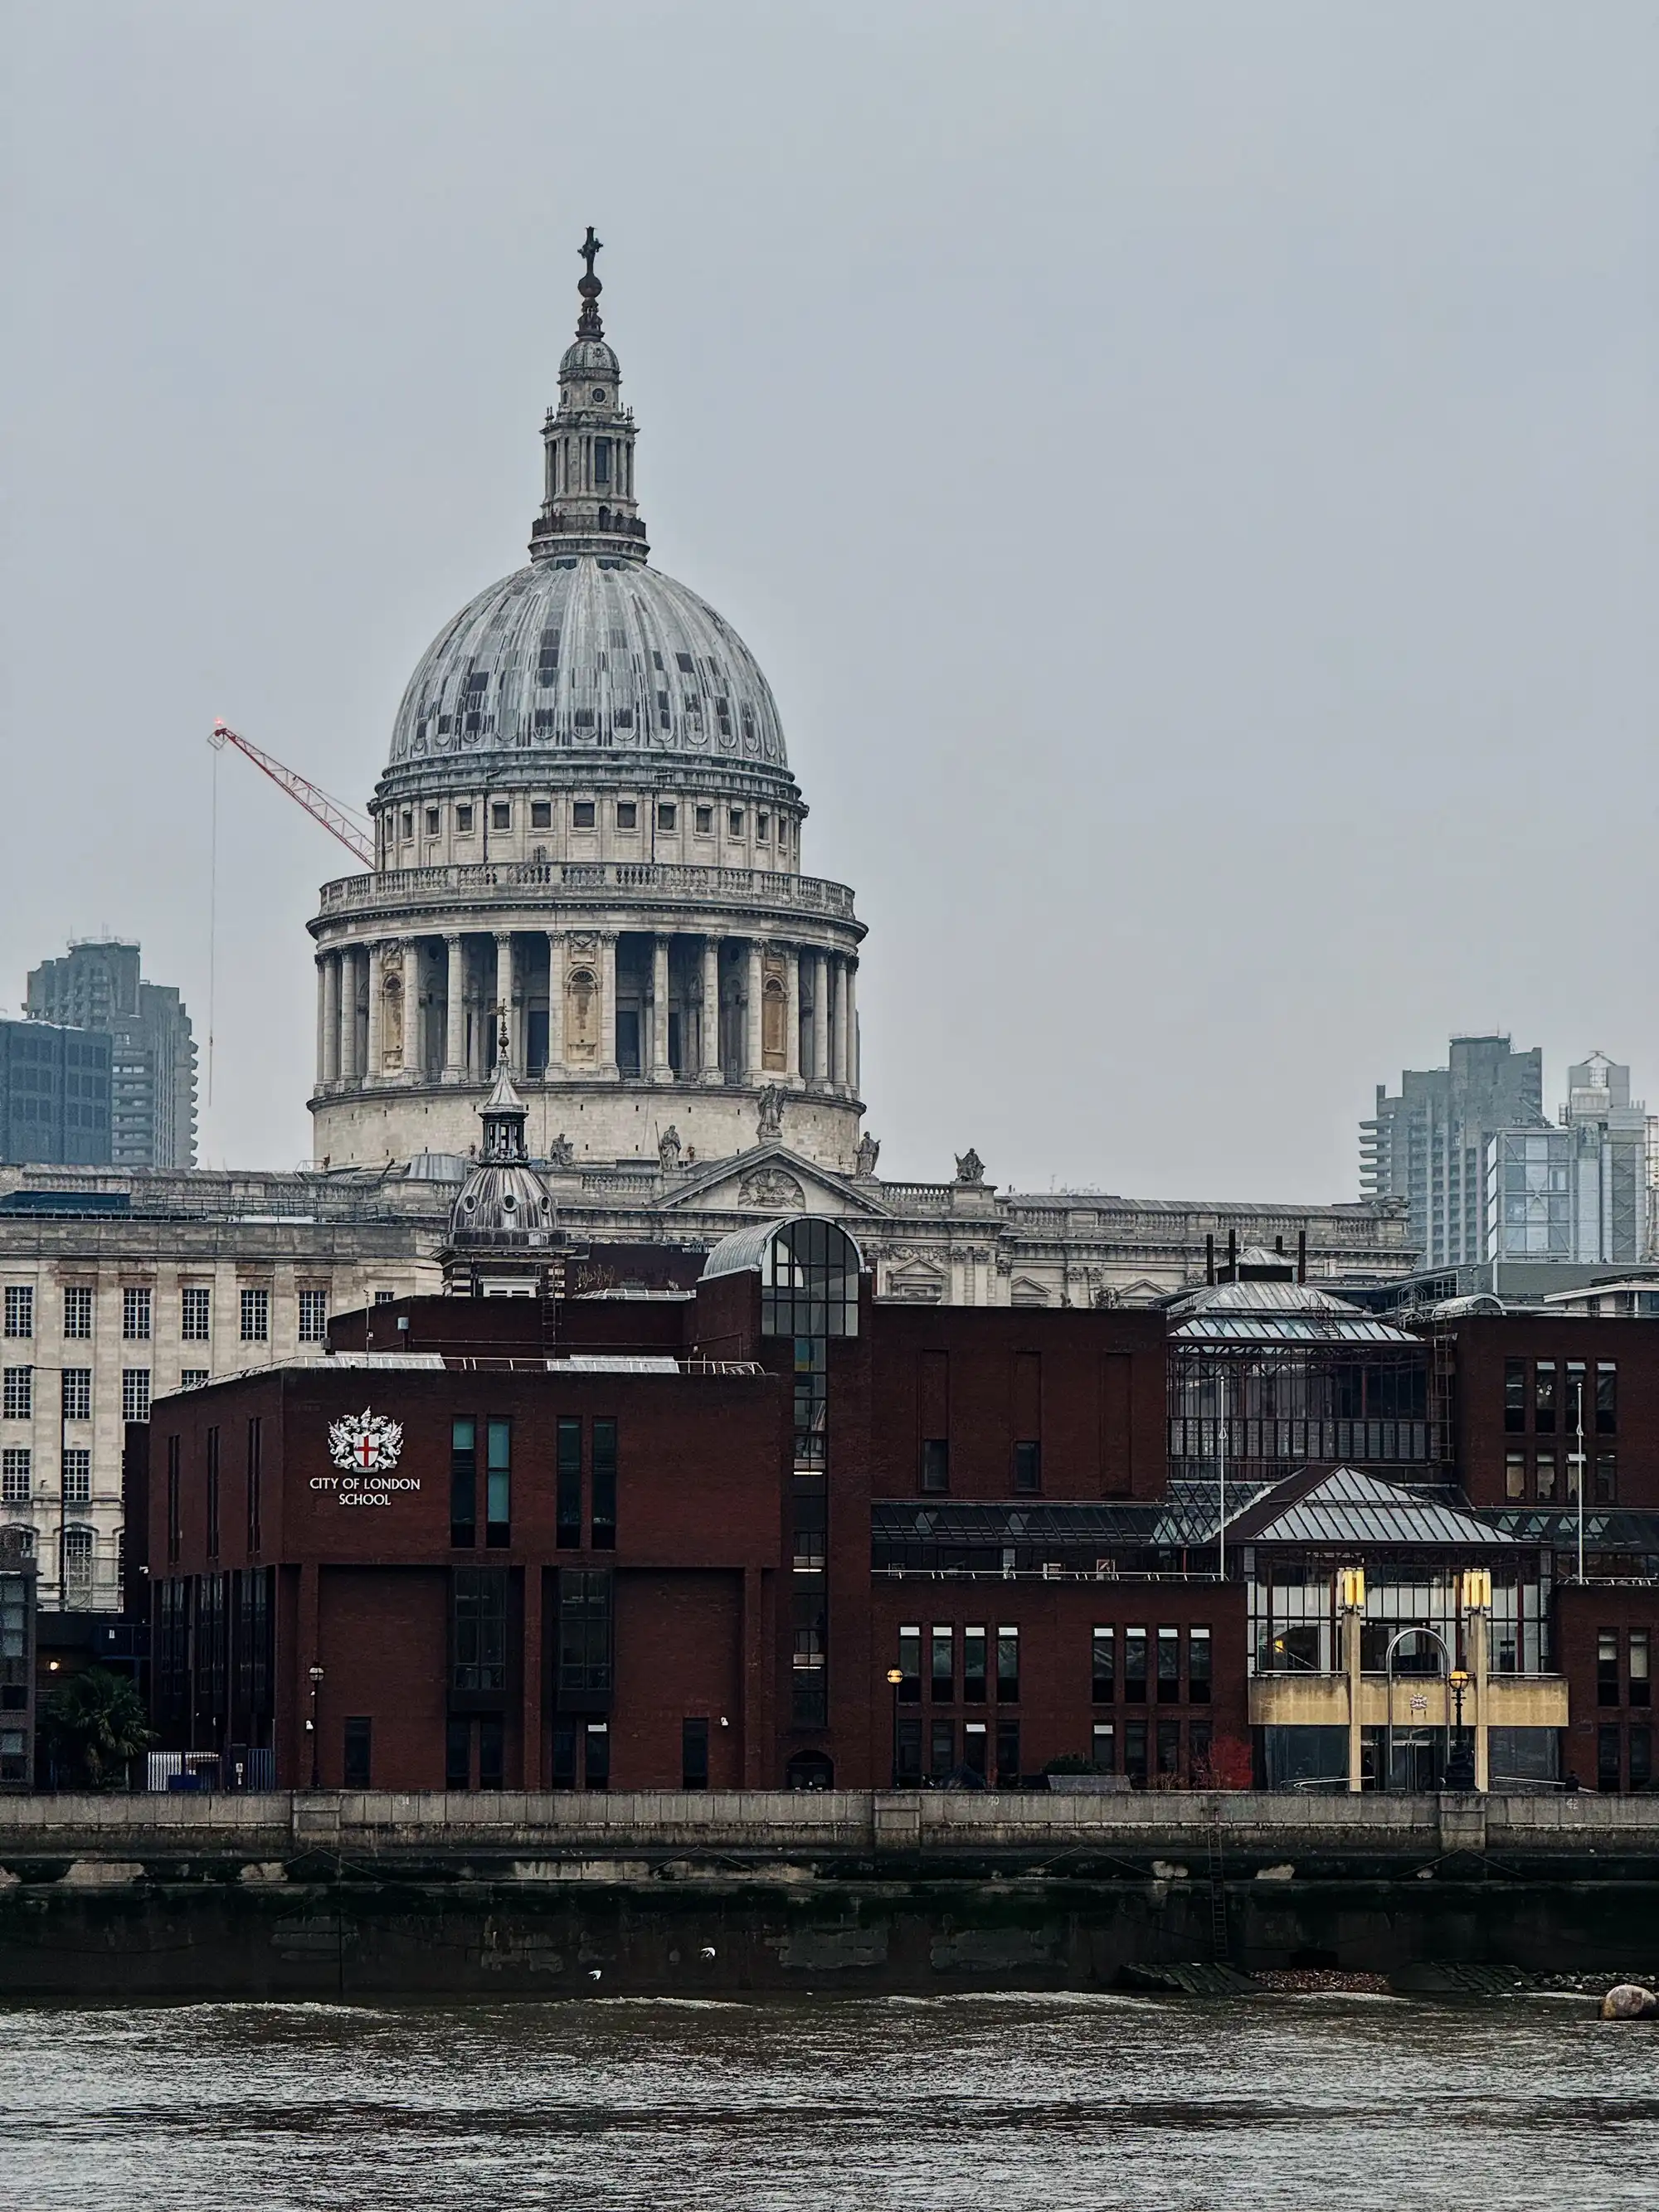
x: 582, y: 1016
x: 774, y: 1015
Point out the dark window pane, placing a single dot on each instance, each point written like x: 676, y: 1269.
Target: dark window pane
x: 356, y: 1759
x: 943, y: 1670
x: 1515, y: 1395
x: 694, y: 1754
x: 597, y: 1755
x: 1544, y: 1397
x: 1007, y: 1754
x: 907, y: 1765
x: 1607, y: 1400
x: 943, y: 1750
x: 498, y: 1512
x: 976, y: 1749
x: 1197, y: 1666
x: 909, y: 1666
x: 568, y: 1505
x: 935, y: 1463
x: 463, y: 1482
x: 1103, y: 1666
x: 1641, y: 1757
x: 1134, y: 1752
x: 564, y: 1755
x: 458, y: 1755
x: 1134, y: 1665
x: 492, y: 1752
x: 604, y: 1485
x: 1606, y: 1758
x: 1028, y: 1465
x: 973, y: 1666
x: 1168, y: 1665
x: 1606, y: 1667
x: 1008, y: 1666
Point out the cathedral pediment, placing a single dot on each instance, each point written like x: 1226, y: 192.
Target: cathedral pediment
x: 769, y: 1179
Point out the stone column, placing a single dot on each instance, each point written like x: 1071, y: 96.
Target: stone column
x: 376, y: 998
x: 791, y: 1012
x: 659, y: 1008
x: 554, y: 1004
x: 853, y: 1026
x: 711, y: 1010
x: 838, y: 1022
x: 328, y: 1068
x: 322, y: 1019
x: 608, y: 1003
x: 504, y: 993
x: 351, y: 1059
x: 754, y: 987
x: 455, y: 1009
x: 820, y: 1017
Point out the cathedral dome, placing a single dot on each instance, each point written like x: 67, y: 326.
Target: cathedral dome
x: 584, y: 654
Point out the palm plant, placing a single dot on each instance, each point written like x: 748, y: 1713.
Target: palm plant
x: 94, y: 1726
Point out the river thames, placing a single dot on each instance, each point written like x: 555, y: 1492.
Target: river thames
x: 1004, y: 2102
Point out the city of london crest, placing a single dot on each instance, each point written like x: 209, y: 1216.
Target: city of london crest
x: 367, y: 1442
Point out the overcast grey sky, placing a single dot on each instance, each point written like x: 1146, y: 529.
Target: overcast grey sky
x: 1187, y: 471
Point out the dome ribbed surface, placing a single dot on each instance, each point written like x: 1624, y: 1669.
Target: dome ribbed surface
x: 580, y: 657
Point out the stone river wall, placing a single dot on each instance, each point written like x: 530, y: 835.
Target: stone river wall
x: 349, y: 1894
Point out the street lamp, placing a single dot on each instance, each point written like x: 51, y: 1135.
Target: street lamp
x: 316, y: 1741
x: 895, y: 1676
x: 1460, y: 1767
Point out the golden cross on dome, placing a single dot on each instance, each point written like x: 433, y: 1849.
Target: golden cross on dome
x: 590, y: 247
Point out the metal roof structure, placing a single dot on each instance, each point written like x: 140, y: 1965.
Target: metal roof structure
x: 1347, y: 1507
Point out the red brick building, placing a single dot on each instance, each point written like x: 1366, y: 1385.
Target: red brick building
x: 672, y: 1536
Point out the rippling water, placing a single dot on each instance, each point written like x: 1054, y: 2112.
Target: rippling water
x: 1003, y: 2103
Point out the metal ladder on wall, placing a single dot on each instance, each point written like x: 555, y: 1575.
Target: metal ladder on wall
x: 1220, y: 1941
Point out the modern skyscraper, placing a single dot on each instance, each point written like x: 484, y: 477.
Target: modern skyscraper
x: 1577, y: 1192
x: 54, y: 1096
x: 1428, y: 1146
x: 99, y: 986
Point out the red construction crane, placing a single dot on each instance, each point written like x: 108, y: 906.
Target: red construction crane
x: 341, y: 822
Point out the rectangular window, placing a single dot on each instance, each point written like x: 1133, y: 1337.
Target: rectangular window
x: 1606, y: 1398
x: 1134, y: 1752
x: 77, y: 1394
x: 195, y: 1313
x: 500, y: 814
x: 734, y: 821
x: 458, y: 1754
x: 973, y: 1684
x: 1197, y: 1666
x: 603, y: 1524
x: 668, y: 814
x: 18, y: 1399
x: 492, y: 1751
x: 213, y: 1493
x: 20, y: 1309
x: 1169, y: 1747
x: 1606, y: 1759
x: 478, y: 1648
x: 1515, y: 1395
x: 356, y: 1754
x: 193, y: 1378
x: 1514, y: 1474
x: 627, y: 814
x: 1028, y: 1464
x: 1007, y: 1754
x: 1606, y: 1667
x: 909, y: 1686
x: 77, y: 1310
x: 255, y: 1484
x: 694, y: 1754
x: 907, y: 1755
x: 1168, y: 1666
x: 1543, y: 1398
x: 256, y: 1316
x: 384, y: 1297
x: 434, y: 821
x: 313, y: 1317
x: 935, y: 1463
x: 498, y: 1489
x: 564, y: 1755
x: 942, y: 1751
x: 16, y: 1481
x: 596, y: 1755
x: 135, y: 1308
x: 1606, y: 1478
x: 568, y: 1487
x: 77, y: 1476
x: 1641, y: 1679
x: 1544, y: 1474
x: 134, y: 1393
x: 1641, y: 1756
x: 175, y: 1523
x: 601, y: 460
x: 1007, y: 1665
x: 583, y: 1633
x: 1102, y: 1747
x: 976, y: 1749
x: 1103, y: 1669
x: 705, y: 821
x: 464, y: 1481
x: 1134, y: 1665
x: 943, y: 1670
x: 407, y: 823
x: 464, y: 821
x: 1200, y: 1767
x: 581, y: 813
x: 541, y: 814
